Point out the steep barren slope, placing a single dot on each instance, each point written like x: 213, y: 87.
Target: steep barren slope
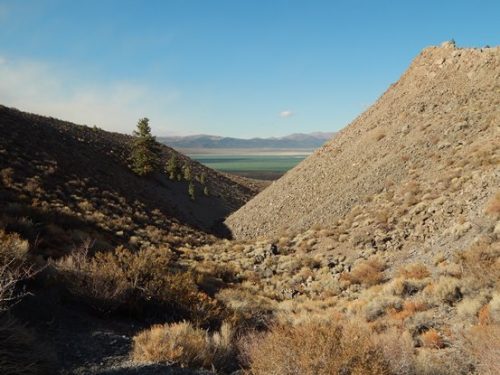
x: 62, y: 183
x: 433, y: 127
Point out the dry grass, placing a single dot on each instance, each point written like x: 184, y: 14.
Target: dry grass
x: 314, y: 348
x: 185, y: 345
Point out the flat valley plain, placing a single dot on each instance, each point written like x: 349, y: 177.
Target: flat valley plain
x: 263, y: 164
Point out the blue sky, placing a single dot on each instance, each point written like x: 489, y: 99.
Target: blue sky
x: 235, y: 68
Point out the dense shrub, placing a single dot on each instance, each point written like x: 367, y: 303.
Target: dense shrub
x: 314, y: 348
x: 141, y: 282
x: 183, y: 344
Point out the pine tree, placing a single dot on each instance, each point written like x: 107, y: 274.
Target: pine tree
x: 191, y: 190
x: 172, y: 167
x: 145, y: 151
x: 205, y: 191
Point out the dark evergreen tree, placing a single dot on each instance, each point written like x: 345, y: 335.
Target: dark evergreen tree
x: 145, y: 150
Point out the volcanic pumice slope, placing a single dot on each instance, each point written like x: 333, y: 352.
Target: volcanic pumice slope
x: 437, y: 120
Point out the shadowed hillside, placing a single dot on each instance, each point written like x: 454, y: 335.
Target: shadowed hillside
x: 63, y: 183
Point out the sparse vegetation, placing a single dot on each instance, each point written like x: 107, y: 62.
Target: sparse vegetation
x: 385, y: 260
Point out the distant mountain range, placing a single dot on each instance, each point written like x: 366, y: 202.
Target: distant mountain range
x: 292, y: 141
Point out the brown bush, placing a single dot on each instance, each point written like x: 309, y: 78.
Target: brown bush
x: 481, y: 262
x: 314, y: 349
x: 102, y: 285
x: 185, y: 345
x: 432, y: 339
x: 368, y: 273
x: 134, y: 281
x: 409, y: 309
x: 414, y: 271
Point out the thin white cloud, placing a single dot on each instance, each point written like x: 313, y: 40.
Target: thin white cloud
x: 40, y: 88
x: 286, y: 114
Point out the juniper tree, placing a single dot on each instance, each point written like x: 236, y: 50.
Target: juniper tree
x: 145, y: 155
